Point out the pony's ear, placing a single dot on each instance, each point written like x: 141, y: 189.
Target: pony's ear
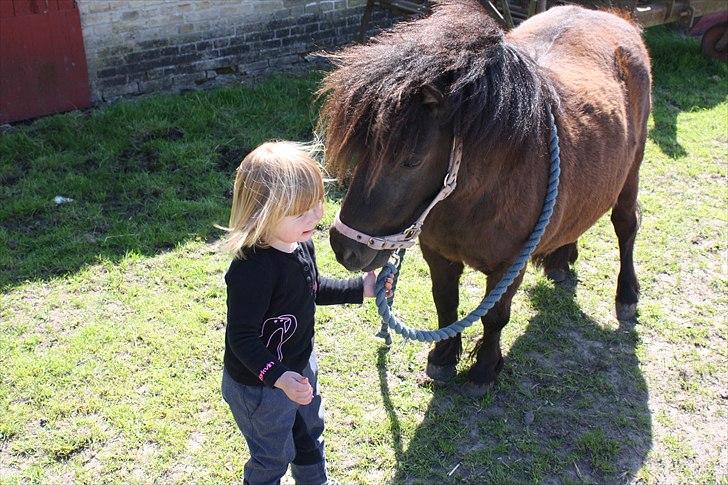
x: 431, y: 96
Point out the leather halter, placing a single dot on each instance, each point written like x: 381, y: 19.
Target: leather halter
x: 407, y: 238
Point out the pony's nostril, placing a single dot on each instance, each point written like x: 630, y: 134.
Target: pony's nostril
x: 348, y: 256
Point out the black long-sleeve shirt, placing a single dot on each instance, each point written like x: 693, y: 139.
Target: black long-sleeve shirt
x: 271, y: 302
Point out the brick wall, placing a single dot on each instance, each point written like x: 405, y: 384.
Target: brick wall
x: 142, y: 46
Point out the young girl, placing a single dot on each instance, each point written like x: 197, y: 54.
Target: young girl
x: 273, y: 285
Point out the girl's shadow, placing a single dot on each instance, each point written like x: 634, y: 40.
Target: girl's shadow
x: 570, y: 406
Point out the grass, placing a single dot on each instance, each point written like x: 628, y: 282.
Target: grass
x: 144, y: 176
x: 112, y: 312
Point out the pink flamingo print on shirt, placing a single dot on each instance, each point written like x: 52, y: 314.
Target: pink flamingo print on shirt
x: 278, y: 330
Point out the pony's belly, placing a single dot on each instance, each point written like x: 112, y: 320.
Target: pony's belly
x: 485, y: 254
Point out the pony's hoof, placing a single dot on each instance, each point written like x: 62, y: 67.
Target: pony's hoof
x: 626, y: 311
x: 476, y: 391
x: 563, y: 278
x: 440, y: 373
x: 557, y: 275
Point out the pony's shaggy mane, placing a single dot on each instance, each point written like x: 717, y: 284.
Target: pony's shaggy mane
x: 373, y: 107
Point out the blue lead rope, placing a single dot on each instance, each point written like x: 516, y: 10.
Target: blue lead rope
x: 389, y: 320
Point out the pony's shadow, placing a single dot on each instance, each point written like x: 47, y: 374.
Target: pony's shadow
x: 569, y: 406
x: 675, y: 62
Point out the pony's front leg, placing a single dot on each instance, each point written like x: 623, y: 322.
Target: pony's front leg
x: 489, y: 359
x: 445, y: 275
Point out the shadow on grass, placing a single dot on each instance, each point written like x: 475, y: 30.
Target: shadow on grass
x: 676, y: 60
x: 570, y: 406
x: 143, y: 176
x: 394, y: 425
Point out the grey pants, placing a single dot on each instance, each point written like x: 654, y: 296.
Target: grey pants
x: 279, y: 431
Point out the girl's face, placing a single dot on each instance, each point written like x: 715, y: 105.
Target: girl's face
x: 299, y: 228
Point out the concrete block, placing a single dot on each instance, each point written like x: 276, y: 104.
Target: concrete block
x: 290, y: 59
x: 253, y: 67
x: 123, y: 90
x: 96, y: 6
x: 155, y: 85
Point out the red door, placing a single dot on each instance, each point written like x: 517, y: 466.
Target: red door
x: 42, y: 59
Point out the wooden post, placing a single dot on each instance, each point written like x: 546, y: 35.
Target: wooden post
x: 365, y: 20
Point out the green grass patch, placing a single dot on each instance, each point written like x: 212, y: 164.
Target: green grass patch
x: 144, y: 177
x: 602, y: 450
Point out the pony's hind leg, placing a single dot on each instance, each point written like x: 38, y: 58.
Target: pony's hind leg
x: 445, y: 274
x: 556, y: 264
x: 626, y: 219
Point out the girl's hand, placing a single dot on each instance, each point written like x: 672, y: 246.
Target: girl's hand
x: 370, y: 281
x: 296, y: 387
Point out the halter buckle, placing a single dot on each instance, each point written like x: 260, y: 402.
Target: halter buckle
x: 410, y: 232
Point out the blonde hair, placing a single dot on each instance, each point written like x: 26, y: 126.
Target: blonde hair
x: 275, y: 180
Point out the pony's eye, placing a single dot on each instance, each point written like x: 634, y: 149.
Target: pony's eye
x: 411, y: 162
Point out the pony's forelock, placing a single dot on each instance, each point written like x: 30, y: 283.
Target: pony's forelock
x: 372, y: 93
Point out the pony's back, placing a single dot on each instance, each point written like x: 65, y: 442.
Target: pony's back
x: 579, y: 36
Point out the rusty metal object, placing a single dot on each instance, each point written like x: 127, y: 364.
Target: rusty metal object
x: 715, y: 42
x: 657, y: 13
x: 511, y: 12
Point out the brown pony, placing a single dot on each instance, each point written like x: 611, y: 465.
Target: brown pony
x: 390, y: 116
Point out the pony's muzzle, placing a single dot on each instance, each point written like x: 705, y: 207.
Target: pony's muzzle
x: 355, y: 256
